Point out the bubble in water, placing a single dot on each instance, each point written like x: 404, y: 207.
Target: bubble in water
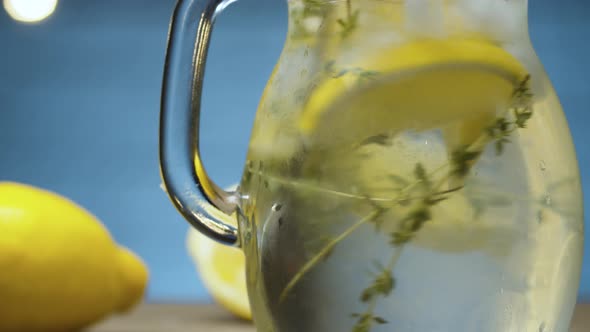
x: 531, y: 281
x: 542, y: 327
x: 542, y: 166
x: 540, y: 216
x: 547, y: 200
x: 312, y: 23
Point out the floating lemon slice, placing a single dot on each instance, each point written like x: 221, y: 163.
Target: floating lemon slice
x: 456, y: 84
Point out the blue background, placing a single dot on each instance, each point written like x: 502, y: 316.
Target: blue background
x: 79, y: 103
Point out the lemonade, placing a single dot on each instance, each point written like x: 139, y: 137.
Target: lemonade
x: 410, y: 169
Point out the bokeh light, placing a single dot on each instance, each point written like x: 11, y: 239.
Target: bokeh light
x: 30, y: 11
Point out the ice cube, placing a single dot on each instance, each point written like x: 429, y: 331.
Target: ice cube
x: 425, y: 17
x: 499, y: 19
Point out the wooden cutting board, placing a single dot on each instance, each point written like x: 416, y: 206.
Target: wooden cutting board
x: 205, y: 318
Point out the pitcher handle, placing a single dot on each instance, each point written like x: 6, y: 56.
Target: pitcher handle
x: 184, y: 177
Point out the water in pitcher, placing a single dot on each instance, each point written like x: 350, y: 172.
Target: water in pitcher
x: 407, y: 172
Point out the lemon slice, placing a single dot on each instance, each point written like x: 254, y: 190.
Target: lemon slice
x: 222, y: 270
x: 458, y: 84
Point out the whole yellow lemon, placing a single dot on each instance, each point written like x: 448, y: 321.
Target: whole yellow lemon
x: 60, y: 270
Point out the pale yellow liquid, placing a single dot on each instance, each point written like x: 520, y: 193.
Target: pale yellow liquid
x: 502, y: 254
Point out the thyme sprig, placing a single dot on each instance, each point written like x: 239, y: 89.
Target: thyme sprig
x: 350, y: 23
x: 432, y: 191
x: 382, y: 286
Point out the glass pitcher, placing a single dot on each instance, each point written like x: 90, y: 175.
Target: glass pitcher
x: 410, y: 169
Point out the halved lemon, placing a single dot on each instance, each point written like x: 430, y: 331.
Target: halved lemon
x: 222, y: 270
x: 455, y: 84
